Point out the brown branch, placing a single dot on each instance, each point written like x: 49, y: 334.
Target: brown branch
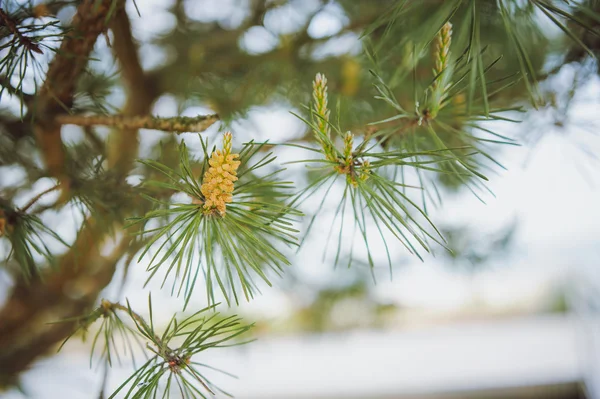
x: 24, y: 330
x: 56, y: 93
x: 71, y: 288
x: 37, y: 197
x: 141, y: 93
x: 179, y: 124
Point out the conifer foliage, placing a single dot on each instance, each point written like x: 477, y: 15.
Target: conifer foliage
x: 212, y: 213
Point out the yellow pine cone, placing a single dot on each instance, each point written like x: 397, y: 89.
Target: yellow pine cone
x: 217, y: 186
x: 320, y: 99
x: 442, y: 48
x: 320, y: 108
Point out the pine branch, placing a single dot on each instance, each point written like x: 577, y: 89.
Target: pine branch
x: 178, y: 124
x: 56, y: 94
x: 141, y: 93
x: 112, y: 306
x: 24, y: 336
x: 38, y: 197
x: 173, y: 350
x: 11, y: 25
x: 243, y: 237
x: 68, y: 292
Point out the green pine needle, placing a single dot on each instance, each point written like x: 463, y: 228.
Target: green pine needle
x: 231, y: 251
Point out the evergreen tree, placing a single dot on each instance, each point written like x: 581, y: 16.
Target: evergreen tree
x: 414, y: 109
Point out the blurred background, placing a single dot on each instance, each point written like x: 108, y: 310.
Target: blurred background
x: 513, y: 312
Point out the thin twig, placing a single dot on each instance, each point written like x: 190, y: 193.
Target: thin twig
x: 111, y: 306
x: 178, y: 124
x: 37, y: 197
x: 163, y: 349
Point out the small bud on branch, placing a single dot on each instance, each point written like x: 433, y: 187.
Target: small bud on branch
x: 442, y: 48
x: 441, y: 70
x: 321, y: 118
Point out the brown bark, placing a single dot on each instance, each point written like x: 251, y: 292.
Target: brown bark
x: 73, y: 287
x: 178, y: 124
x: 141, y: 93
x: 56, y: 93
x: 24, y: 330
